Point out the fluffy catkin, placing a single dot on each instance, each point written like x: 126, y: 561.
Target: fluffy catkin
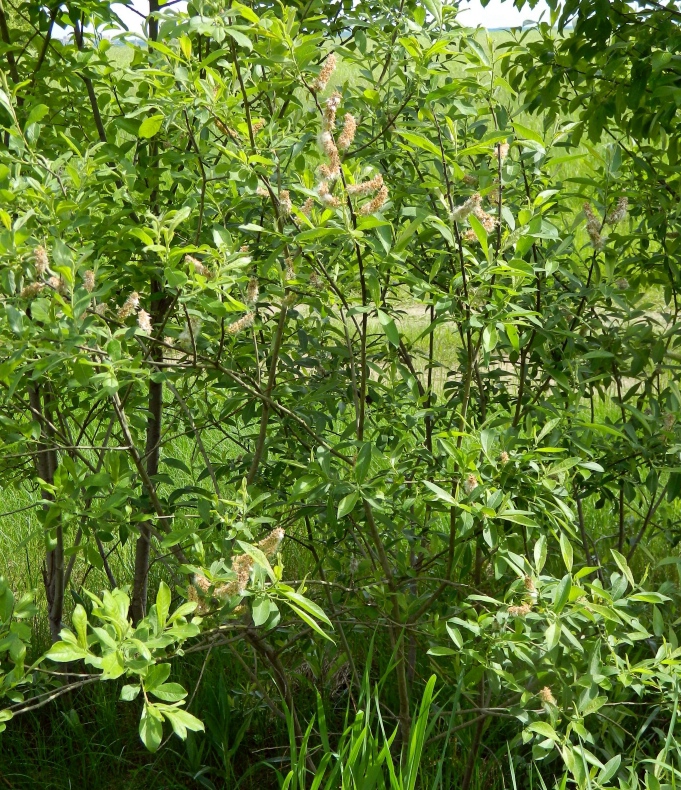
x: 329, y: 66
x: 130, y: 306
x: 42, y: 262
x: 144, y: 322
x: 461, y: 212
x: 285, y: 205
x: 89, y: 281
x: 520, y: 611
x: 270, y: 544
x: 366, y: 187
x: 198, y: 267
x: 376, y: 203
x: 619, y: 212
x: 32, y: 290
x: 252, y: 291
x: 348, y: 134
x: 593, y: 227
x: 243, y: 323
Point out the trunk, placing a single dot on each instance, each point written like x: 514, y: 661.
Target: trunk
x: 138, y: 604
x: 46, y: 465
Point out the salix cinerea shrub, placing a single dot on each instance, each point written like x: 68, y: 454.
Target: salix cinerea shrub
x: 276, y: 299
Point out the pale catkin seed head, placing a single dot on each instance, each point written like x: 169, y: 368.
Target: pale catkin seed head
x: 32, y: 290
x: 262, y: 192
x: 252, y: 291
x: 504, y: 457
x: 487, y: 221
x: 376, y: 203
x: 307, y: 207
x: 257, y: 125
x: 290, y: 269
x: 58, y: 284
x: 348, y: 134
x: 593, y: 228
x: 619, y: 212
x: 271, y: 543
x: 470, y: 483
x: 330, y: 110
x: 201, y: 582
x: 285, y: 205
x: 546, y: 696
x: 320, y: 82
x: 144, y: 322
x: 528, y: 583
x: 243, y: 323
x: 520, y: 611
x: 502, y: 151
x: 130, y: 306
x: 469, y: 180
x: 101, y: 309
x: 42, y: 262
x: 89, y: 281
x: 366, y: 187
x: 198, y: 267
x: 461, y: 212
x: 470, y: 236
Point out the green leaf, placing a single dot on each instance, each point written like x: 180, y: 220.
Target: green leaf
x: 440, y: 493
x: 64, y: 652
x: 481, y: 235
x: 240, y: 38
x: 540, y: 550
x: 129, y: 693
x: 151, y: 728
x: 420, y: 142
x: 389, y: 328
x: 609, y: 769
x: 150, y: 126
x: 566, y: 551
x: 562, y: 593
x: 36, y: 115
x: 442, y: 651
x: 347, y: 505
x: 15, y: 318
x: 79, y: 620
x: 308, y: 605
x: 649, y: 597
x: 163, y: 598
x: 529, y: 134
x: 363, y: 462
x: 552, y: 636
x: 305, y: 617
x: 258, y: 557
x: 622, y: 564
x: 544, y: 729
x: 156, y: 676
x: 169, y: 692
x: 181, y: 721
x: 260, y: 610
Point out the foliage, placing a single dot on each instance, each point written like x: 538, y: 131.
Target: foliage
x: 424, y: 350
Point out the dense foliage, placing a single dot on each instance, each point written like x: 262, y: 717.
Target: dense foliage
x: 343, y: 339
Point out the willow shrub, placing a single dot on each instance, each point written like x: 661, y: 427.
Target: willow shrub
x: 310, y: 275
